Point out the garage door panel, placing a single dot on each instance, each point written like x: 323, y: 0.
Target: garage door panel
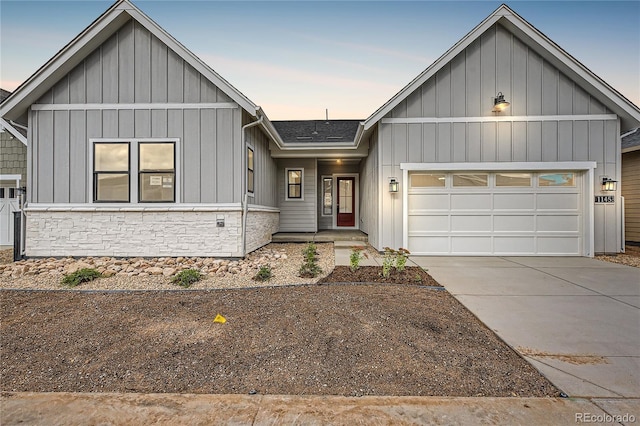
x: 557, y: 223
x: 430, y: 222
x: 512, y: 201
x: 559, y: 201
x: 470, y: 245
x: 429, y: 202
x: 559, y: 245
x: 514, y: 245
x: 514, y: 223
x: 470, y: 201
x: 471, y: 223
x: 429, y: 244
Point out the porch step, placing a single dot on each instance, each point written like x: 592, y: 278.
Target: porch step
x: 320, y: 236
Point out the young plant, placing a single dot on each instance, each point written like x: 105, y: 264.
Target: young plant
x: 263, y: 274
x: 310, y: 268
x: 80, y: 276
x: 186, y: 277
x: 401, y: 259
x: 388, y: 261
x: 356, y: 256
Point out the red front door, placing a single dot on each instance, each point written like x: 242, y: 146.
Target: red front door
x: 346, y: 201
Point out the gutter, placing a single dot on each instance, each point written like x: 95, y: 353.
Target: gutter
x: 245, y: 196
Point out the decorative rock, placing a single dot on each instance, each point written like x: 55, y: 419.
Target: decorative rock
x: 154, y: 270
x: 167, y: 272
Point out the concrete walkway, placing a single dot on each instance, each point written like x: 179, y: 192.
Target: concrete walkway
x: 577, y: 320
x: 182, y: 409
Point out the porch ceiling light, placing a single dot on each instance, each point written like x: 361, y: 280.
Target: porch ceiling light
x: 393, y: 185
x: 608, y: 184
x: 499, y: 103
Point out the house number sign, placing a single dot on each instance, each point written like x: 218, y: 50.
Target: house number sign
x: 604, y: 199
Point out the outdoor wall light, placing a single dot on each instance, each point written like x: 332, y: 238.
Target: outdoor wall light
x: 393, y: 185
x: 499, y: 104
x: 608, y: 184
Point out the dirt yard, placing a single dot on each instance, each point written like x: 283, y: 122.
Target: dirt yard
x: 303, y: 340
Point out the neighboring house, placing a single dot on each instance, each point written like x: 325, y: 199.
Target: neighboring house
x: 631, y: 185
x: 13, y: 176
x: 136, y: 147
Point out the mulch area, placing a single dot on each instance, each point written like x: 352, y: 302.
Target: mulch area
x: 331, y: 339
x: 411, y: 275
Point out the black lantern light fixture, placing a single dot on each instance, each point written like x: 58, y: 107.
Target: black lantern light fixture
x: 608, y: 184
x: 393, y: 185
x: 499, y: 103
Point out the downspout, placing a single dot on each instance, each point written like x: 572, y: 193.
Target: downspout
x: 245, y: 197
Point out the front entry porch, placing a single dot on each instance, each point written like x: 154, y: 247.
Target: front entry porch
x: 328, y: 235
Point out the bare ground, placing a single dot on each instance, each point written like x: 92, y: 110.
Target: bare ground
x: 330, y: 339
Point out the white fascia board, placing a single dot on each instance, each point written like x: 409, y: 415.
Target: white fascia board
x: 13, y: 131
x: 132, y: 106
x: 191, y: 58
x: 501, y: 166
x: 500, y: 118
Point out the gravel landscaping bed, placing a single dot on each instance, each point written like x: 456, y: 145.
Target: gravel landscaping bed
x: 284, y: 259
x: 330, y: 339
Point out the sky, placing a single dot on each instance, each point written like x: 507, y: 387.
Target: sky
x: 297, y: 58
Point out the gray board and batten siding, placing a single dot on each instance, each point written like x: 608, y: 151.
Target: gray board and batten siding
x: 581, y: 129
x: 265, y: 167
x: 370, y: 191
x: 135, y: 67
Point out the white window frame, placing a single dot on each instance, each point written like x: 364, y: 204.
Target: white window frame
x: 286, y: 184
x: 134, y: 156
x: 246, y: 171
x: 322, y: 179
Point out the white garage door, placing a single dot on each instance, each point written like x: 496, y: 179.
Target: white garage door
x: 495, y: 213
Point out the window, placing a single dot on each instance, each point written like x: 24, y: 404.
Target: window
x: 294, y: 184
x: 556, y: 179
x: 111, y: 172
x: 157, y: 172
x: 327, y: 196
x: 470, y: 179
x: 513, y: 179
x: 250, y: 178
x: 427, y: 180
x: 1, y: 192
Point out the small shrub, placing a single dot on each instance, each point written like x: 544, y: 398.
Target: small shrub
x: 310, y: 268
x: 401, y: 259
x: 186, y: 277
x: 356, y: 256
x: 80, y: 276
x: 388, y: 261
x: 263, y: 274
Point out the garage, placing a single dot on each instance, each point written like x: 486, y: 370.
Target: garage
x: 483, y: 213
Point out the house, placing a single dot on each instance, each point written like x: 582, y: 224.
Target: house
x: 631, y: 185
x: 138, y: 148
x: 13, y: 174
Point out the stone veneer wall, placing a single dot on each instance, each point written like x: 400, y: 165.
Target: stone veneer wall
x: 133, y: 233
x: 13, y: 158
x: 260, y: 226
x: 148, y: 232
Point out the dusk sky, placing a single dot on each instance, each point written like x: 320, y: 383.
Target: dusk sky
x: 297, y: 58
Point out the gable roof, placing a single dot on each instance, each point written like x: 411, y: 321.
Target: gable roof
x: 628, y: 112
x: 92, y: 37
x: 317, y: 131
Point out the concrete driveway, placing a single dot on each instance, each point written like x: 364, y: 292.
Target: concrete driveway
x: 577, y: 320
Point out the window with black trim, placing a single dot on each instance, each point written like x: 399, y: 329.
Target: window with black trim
x: 250, y: 176
x: 157, y: 172
x: 111, y: 182
x: 294, y: 184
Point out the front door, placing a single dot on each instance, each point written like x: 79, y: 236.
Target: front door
x: 346, y: 205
